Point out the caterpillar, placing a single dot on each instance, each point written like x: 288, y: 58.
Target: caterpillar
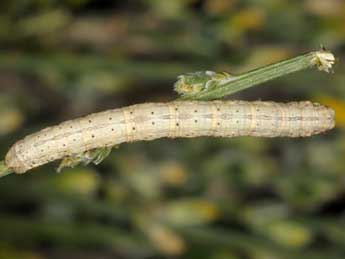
x: 150, y: 121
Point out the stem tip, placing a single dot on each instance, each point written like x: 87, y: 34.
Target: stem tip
x: 4, y: 170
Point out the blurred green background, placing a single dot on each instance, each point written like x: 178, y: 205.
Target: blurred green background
x: 184, y: 198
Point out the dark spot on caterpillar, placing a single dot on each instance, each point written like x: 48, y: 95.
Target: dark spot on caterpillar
x: 74, y: 139
x: 218, y: 109
x: 64, y: 145
x: 218, y: 123
x: 176, y: 109
x: 90, y: 121
x: 112, y: 129
x: 71, y: 127
x: 92, y: 136
x: 195, y: 110
x: 196, y: 121
x: 237, y: 110
x: 133, y: 128
x: 237, y: 121
x: 257, y: 109
x: 130, y: 112
x: 152, y: 113
x: 153, y: 123
x: 177, y: 124
x: 110, y: 118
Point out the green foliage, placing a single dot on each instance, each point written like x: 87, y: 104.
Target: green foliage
x: 193, y: 198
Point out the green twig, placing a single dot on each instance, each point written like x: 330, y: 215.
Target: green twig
x: 4, y: 170
x: 322, y: 59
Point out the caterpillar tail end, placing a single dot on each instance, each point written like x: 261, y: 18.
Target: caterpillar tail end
x: 4, y: 169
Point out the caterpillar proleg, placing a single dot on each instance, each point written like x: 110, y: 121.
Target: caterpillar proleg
x: 150, y: 121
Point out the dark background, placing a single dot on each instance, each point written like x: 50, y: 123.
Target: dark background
x: 188, y: 198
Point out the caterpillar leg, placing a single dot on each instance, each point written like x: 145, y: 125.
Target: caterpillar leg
x: 95, y: 156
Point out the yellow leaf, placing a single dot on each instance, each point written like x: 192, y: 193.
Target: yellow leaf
x: 338, y: 105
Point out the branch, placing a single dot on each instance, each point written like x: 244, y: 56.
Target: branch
x: 322, y: 59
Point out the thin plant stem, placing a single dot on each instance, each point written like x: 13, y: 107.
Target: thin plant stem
x: 4, y: 170
x: 321, y: 59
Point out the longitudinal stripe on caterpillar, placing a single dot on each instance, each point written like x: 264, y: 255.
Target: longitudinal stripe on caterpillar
x: 175, y: 119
